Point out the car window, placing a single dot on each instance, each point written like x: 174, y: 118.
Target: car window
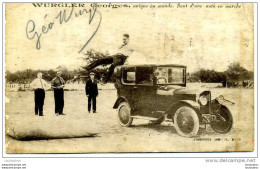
x: 144, y: 76
x: 129, y: 76
x: 170, y: 75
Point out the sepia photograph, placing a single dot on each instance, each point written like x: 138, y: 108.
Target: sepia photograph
x: 129, y: 78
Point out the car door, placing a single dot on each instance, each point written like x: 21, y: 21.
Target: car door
x: 128, y: 89
x: 145, y: 91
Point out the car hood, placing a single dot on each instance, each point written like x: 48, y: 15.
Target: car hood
x: 172, y: 90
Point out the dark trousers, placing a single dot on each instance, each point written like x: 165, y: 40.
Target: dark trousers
x: 39, y: 96
x: 59, y: 100
x: 92, y: 98
x: 115, y: 61
x: 103, y: 61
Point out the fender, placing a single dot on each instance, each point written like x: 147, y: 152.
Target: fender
x: 118, y: 101
x: 175, y: 106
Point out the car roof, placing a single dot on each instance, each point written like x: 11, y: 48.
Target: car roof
x: 154, y: 65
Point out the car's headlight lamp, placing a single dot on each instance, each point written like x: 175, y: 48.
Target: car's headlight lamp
x: 203, y: 100
x: 221, y: 99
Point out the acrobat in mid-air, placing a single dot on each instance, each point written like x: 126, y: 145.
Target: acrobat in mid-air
x: 115, y: 60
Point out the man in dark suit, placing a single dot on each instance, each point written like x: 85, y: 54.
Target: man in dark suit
x: 58, y: 84
x: 91, y: 91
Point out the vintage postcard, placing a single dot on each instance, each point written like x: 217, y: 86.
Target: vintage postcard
x: 129, y: 77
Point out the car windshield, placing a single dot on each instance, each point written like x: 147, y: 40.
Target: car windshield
x: 170, y: 75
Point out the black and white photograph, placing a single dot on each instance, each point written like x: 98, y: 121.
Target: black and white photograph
x: 129, y: 78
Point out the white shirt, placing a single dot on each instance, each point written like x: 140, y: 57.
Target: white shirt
x: 126, y: 50
x: 39, y: 83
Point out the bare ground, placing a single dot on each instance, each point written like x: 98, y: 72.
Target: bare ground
x: 141, y: 137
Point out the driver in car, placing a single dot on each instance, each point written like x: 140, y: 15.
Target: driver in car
x: 151, y: 79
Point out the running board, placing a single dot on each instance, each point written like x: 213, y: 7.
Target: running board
x: 149, y: 118
x: 145, y: 118
x: 158, y: 112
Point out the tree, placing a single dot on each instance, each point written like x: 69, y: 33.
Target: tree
x: 207, y: 76
x: 235, y: 72
x: 92, y: 55
x: 89, y: 57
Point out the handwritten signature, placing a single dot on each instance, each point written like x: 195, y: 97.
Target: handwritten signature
x: 63, y: 17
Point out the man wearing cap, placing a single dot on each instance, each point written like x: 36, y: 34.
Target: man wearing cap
x: 39, y: 85
x: 91, y: 91
x: 58, y: 84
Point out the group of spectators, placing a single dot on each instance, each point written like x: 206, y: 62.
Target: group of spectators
x: 57, y: 84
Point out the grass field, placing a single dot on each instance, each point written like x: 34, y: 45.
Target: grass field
x: 141, y: 137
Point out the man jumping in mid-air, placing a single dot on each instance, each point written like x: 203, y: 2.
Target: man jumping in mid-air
x: 114, y: 60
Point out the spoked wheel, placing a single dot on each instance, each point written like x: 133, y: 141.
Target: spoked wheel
x: 124, y: 114
x: 186, y: 122
x: 223, y: 122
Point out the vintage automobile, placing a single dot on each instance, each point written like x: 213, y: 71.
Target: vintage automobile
x: 159, y: 92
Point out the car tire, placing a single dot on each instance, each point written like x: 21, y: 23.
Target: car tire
x: 224, y: 123
x: 186, y: 122
x: 124, y: 114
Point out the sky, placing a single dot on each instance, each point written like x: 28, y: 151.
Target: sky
x: 195, y: 37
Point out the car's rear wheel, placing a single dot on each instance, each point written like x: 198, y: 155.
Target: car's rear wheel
x: 124, y: 114
x: 223, y: 122
x: 186, y: 122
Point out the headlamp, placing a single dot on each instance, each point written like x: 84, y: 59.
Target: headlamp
x: 220, y: 99
x: 203, y: 100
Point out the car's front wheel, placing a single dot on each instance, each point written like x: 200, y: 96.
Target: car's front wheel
x: 186, y: 122
x: 124, y: 114
x: 223, y: 122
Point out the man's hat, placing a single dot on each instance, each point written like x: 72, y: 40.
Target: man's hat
x: 92, y: 73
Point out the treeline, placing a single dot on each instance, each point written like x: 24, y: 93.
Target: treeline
x: 234, y: 74
x: 27, y: 76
